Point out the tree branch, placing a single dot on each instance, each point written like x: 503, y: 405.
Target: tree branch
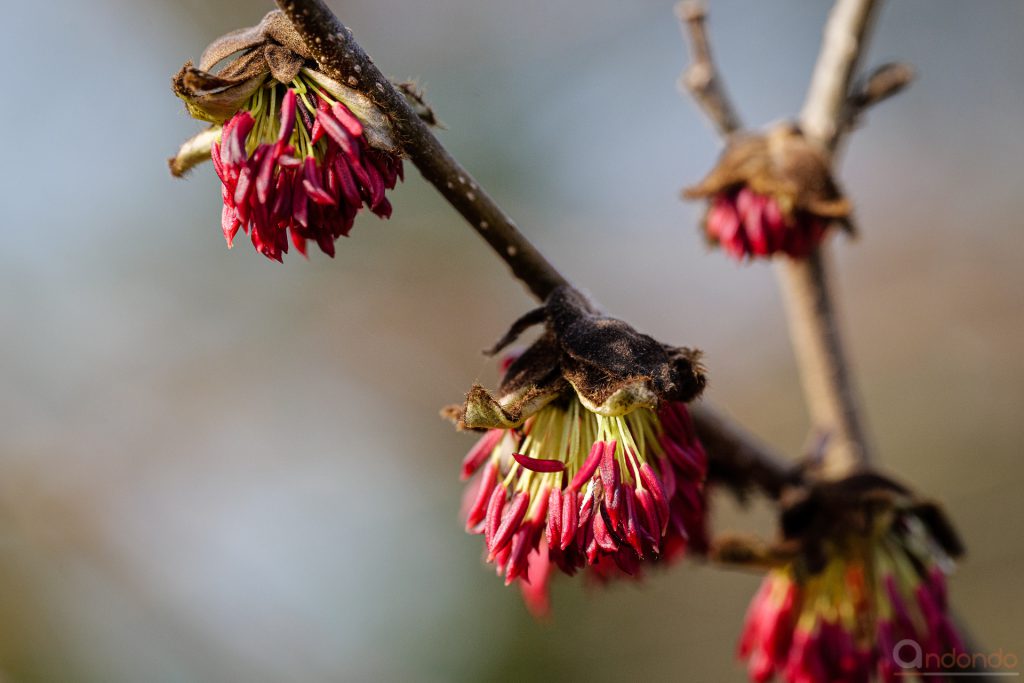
x: 341, y: 58
x: 824, y: 370
x: 813, y: 323
x: 733, y: 450
x: 741, y: 461
x: 701, y: 78
x: 843, y: 45
x: 829, y: 111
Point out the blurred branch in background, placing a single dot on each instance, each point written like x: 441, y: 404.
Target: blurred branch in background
x: 813, y: 322
x: 831, y: 109
x: 701, y: 77
x: 883, y: 82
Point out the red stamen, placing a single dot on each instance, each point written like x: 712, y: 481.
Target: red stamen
x: 539, y: 464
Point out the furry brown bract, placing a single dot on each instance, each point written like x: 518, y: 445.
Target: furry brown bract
x: 771, y: 194
x: 814, y: 515
x: 782, y: 164
x: 610, y: 366
x: 272, y: 47
x: 853, y: 506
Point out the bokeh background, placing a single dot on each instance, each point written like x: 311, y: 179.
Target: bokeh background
x: 218, y: 468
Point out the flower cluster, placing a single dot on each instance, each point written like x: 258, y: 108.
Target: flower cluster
x: 298, y: 154
x: 590, y: 460
x: 746, y: 224
x: 307, y: 173
x: 770, y: 194
x: 595, y: 488
x: 843, y: 621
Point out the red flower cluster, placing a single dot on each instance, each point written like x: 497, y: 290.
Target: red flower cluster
x: 746, y: 225
x: 306, y: 173
x: 575, y: 490
x: 845, y: 623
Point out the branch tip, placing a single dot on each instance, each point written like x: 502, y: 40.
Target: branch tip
x: 880, y: 84
x: 701, y: 78
x: 691, y: 10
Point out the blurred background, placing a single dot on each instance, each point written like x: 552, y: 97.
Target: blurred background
x: 214, y: 467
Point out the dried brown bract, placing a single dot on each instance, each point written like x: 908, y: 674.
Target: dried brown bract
x: 611, y: 367
x: 771, y: 193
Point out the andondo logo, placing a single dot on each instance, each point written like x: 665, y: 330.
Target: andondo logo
x: 911, y: 657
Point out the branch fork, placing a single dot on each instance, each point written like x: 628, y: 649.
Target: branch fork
x: 832, y: 108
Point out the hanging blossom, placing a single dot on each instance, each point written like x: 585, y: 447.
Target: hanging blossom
x: 770, y: 194
x: 590, y: 460
x: 843, y: 609
x: 597, y: 489
x: 298, y: 154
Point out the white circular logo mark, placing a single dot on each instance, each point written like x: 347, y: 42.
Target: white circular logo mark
x: 915, y: 647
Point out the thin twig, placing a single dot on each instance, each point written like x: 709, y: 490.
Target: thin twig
x: 733, y: 450
x: 701, y: 78
x: 342, y: 58
x: 882, y: 83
